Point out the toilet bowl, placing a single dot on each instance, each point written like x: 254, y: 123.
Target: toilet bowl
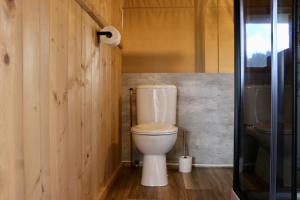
x: 154, y: 140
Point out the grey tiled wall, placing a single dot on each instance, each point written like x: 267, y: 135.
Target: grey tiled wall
x: 205, y: 111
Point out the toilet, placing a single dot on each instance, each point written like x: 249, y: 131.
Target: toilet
x: 257, y: 123
x: 155, y: 133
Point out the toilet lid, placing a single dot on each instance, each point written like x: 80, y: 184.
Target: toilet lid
x: 154, y: 129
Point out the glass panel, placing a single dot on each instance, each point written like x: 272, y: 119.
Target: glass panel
x: 298, y: 100
x: 254, y: 161
x: 285, y: 99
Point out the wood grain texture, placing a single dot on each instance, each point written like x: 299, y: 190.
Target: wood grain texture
x: 75, y: 100
x: 202, y: 183
x: 11, y: 120
x: 32, y: 96
x: 89, y: 7
x: 60, y: 91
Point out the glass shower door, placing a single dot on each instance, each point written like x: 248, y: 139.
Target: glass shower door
x: 255, y: 106
x: 283, y: 80
x: 297, y: 100
x: 265, y: 156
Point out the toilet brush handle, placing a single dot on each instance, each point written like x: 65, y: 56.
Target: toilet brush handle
x: 184, y: 143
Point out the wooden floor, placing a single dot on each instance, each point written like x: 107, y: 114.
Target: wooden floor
x: 202, y: 183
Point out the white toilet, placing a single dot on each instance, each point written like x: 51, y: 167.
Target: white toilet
x: 156, y: 133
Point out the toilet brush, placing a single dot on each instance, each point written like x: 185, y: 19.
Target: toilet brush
x: 185, y: 153
x: 185, y: 161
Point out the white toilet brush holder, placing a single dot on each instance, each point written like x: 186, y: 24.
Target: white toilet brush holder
x: 185, y: 162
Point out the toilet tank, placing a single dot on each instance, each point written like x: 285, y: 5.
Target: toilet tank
x: 156, y: 103
x: 257, y: 104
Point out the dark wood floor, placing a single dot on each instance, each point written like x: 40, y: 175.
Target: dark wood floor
x: 202, y: 183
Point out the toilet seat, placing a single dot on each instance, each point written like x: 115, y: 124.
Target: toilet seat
x: 154, y: 129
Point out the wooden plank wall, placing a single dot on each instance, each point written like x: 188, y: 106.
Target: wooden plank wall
x: 59, y: 107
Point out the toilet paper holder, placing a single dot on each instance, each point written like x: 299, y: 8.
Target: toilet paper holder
x: 109, y: 35
x: 106, y: 33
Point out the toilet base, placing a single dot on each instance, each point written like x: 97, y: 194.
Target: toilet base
x: 154, y: 171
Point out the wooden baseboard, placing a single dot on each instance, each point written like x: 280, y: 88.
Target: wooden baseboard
x: 104, y: 191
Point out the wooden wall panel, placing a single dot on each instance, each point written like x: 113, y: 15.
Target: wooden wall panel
x: 116, y: 106
x: 103, y: 7
x: 32, y: 100
x: 58, y: 101
x: 11, y: 136
x: 59, y: 111
x: 103, y: 112
x: 117, y: 10
x: 75, y: 94
x: 44, y: 20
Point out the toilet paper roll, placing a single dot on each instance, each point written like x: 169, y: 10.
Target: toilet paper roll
x: 114, y: 40
x: 185, y: 164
